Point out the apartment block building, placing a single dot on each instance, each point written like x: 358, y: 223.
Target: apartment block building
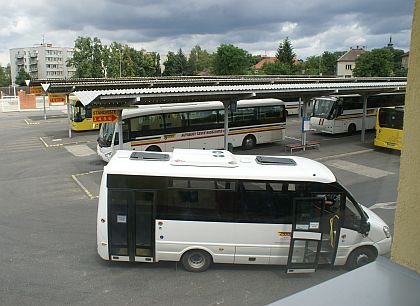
x: 42, y: 62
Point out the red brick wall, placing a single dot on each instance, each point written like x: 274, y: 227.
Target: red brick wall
x: 26, y: 101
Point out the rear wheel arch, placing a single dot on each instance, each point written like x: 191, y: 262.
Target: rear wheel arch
x: 154, y: 148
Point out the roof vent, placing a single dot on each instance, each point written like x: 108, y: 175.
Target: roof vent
x: 149, y: 156
x: 269, y: 160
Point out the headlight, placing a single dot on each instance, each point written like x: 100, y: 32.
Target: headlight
x: 387, y: 231
x: 108, y: 154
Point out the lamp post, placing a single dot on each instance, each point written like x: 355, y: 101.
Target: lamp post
x: 120, y: 62
x: 319, y: 69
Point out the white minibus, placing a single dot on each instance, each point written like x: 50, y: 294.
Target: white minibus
x: 200, y: 207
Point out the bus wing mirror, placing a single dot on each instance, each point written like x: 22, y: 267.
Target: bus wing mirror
x: 365, y: 227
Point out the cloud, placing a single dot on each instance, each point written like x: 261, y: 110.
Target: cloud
x: 163, y: 25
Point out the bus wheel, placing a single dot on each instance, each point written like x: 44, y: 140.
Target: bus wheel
x: 249, y: 142
x: 196, y: 261
x: 360, y: 257
x: 154, y: 149
x: 352, y: 129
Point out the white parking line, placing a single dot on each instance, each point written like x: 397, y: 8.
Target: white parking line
x: 344, y: 154
x: 358, y: 169
x: 385, y: 205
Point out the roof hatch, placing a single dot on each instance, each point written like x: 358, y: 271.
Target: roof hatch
x: 149, y: 156
x: 269, y: 160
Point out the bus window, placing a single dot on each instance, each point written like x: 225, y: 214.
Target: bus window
x: 322, y: 108
x: 88, y: 111
x: 78, y: 115
x: 203, y: 119
x: 175, y: 122
x: 391, y: 118
x: 271, y: 114
x: 199, y: 200
x: 244, y: 116
x: 146, y: 125
x: 126, y: 135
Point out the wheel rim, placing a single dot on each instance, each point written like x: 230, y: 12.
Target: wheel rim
x: 196, y: 260
x: 362, y: 259
x: 249, y: 142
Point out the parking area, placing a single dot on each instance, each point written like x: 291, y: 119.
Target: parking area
x: 49, y: 185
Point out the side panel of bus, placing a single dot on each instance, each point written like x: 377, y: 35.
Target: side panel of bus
x: 240, y: 243
x: 344, y: 122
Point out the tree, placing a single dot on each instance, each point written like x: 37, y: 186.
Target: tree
x: 89, y: 58
x: 376, y: 63
x: 94, y: 60
x: 231, y: 60
x: 199, y: 61
x: 285, y: 53
x: 276, y: 68
x: 5, y: 76
x: 98, y: 60
x: 398, y: 70
x: 157, y: 69
x: 329, y: 62
x: 176, y: 64
x: 312, y: 65
x: 113, y: 59
x: 21, y: 77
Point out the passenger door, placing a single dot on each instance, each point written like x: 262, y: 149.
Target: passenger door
x: 131, y: 225
x: 305, y: 242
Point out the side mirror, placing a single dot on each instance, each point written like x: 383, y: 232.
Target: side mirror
x: 364, y: 227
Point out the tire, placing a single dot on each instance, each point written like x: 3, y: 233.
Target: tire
x: 249, y: 142
x: 153, y: 149
x: 360, y: 257
x: 351, y: 129
x: 196, y: 260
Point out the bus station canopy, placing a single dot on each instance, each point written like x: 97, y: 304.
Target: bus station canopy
x: 126, y: 97
x: 67, y: 86
x: 111, y: 93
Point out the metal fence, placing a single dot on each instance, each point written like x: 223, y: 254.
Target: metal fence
x: 9, y: 104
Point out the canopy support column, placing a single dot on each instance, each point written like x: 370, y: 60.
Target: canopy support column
x: 68, y: 113
x: 120, y: 129
x: 364, y: 99
x: 304, y: 118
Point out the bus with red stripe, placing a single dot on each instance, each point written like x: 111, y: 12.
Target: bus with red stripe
x: 196, y: 125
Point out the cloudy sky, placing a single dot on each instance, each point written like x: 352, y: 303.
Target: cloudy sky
x: 257, y: 26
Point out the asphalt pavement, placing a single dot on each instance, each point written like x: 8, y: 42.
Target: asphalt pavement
x: 48, y: 223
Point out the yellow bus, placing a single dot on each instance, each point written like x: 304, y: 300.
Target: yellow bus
x: 81, y: 117
x: 389, y: 127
